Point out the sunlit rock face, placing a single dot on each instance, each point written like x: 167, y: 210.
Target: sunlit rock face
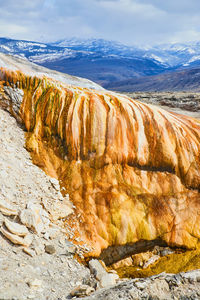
x: 131, y: 169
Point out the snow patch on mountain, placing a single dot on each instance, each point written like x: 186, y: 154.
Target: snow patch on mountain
x: 41, y: 58
x: 193, y: 59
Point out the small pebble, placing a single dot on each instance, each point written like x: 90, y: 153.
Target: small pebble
x: 50, y: 249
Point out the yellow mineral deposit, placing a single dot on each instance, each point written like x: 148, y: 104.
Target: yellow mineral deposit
x: 131, y: 169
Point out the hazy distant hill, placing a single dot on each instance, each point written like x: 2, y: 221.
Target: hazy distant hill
x: 183, y: 80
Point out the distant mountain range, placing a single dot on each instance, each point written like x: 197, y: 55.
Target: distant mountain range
x: 114, y: 65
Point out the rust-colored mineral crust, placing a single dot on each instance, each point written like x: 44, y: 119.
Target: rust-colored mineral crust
x: 131, y: 169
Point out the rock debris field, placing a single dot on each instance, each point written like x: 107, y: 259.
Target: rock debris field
x: 47, y: 270
x: 36, y: 257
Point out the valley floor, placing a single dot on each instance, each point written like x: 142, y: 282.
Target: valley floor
x: 186, y: 103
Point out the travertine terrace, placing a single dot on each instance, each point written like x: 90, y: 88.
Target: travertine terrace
x: 132, y: 170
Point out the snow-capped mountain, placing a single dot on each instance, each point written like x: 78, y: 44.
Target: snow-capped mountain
x: 169, y: 55
x: 41, y: 52
x: 33, y: 51
x: 101, y: 46
x: 105, y: 61
x: 96, y: 59
x: 176, y: 55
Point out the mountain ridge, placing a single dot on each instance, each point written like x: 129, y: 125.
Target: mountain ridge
x: 109, y: 63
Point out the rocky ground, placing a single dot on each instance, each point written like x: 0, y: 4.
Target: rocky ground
x: 36, y: 257
x: 183, y: 286
x: 180, y: 102
x: 48, y: 271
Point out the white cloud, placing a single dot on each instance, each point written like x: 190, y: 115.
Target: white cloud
x: 11, y: 29
x: 128, y: 21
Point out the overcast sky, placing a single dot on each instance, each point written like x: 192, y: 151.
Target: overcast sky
x: 134, y: 22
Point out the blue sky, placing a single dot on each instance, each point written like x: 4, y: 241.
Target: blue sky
x: 133, y: 22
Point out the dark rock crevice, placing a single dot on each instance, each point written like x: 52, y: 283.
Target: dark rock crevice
x: 113, y: 254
